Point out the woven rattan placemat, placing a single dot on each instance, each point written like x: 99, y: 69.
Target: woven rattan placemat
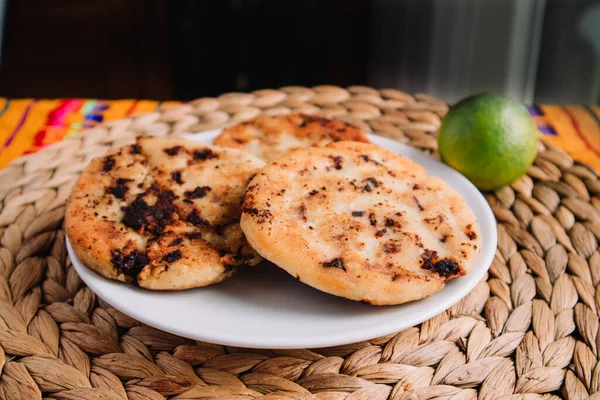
x: 530, y: 331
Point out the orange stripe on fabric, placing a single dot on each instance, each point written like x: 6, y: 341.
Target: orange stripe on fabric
x: 33, y: 123
x: 65, y: 116
x: 117, y: 109
x: 122, y: 108
x: 568, y: 138
x: 586, y: 135
x: 587, y: 125
x: 10, y: 118
x: 145, y: 106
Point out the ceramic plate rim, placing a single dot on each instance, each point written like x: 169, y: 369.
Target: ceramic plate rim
x: 389, y: 325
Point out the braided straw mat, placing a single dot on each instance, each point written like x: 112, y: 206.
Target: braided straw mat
x: 529, y: 331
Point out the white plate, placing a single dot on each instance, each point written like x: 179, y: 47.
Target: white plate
x: 264, y: 307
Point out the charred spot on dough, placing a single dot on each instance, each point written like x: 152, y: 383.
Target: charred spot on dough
x: 395, y: 276
x: 372, y: 181
x: 120, y: 189
x: 195, y: 219
x: 446, y: 267
x: 176, y: 242
x: 193, y: 235
x: 135, y: 149
x: 173, y: 256
x: 391, y: 223
x: 366, y: 158
x: 428, y: 258
x: 129, y: 264
x: 176, y: 176
x: 380, y: 233
x: 366, y: 187
x: 444, y: 238
x: 470, y: 232
x: 172, y: 151
x: 391, y: 247
x: 204, y: 154
x: 251, y: 188
x: 334, y: 263
x: 123, y: 181
x: 434, y: 220
x: 372, y: 219
x: 249, y: 204
x: 302, y: 212
x: 250, y: 210
x: 419, y: 206
x: 358, y: 213
x: 262, y: 215
x: 313, y: 192
x: 198, y: 192
x: 337, y: 161
x: 154, y: 218
x: 443, y: 267
x: 108, y: 163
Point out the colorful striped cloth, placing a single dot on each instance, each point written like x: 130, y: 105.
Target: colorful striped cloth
x: 26, y: 125
x: 574, y: 128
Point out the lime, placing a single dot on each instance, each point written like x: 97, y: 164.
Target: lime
x: 489, y: 138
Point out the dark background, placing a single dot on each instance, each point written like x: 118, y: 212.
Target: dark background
x: 160, y: 49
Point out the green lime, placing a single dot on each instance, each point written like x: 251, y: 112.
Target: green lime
x: 489, y: 138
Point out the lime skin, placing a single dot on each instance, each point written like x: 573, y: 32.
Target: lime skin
x: 489, y: 138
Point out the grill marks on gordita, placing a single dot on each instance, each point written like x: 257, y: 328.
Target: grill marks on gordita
x: 153, y: 219
x: 163, y: 213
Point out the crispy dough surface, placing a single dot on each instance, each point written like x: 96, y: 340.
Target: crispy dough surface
x: 270, y: 137
x: 361, y: 222
x: 163, y: 213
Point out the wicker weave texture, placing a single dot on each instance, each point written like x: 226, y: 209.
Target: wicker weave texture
x: 529, y: 331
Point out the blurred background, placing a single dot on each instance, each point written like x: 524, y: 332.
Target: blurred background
x: 542, y: 51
